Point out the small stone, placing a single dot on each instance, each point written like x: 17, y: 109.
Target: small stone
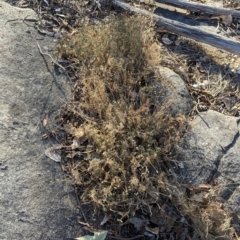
x: 4, y: 168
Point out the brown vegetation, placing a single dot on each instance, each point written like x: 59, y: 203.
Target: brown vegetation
x: 114, y: 137
x: 120, y: 133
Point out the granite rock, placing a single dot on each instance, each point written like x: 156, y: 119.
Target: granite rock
x: 168, y: 89
x: 211, y: 150
x: 35, y: 200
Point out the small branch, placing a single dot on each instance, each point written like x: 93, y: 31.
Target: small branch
x: 187, y: 31
x: 199, y: 7
x: 47, y: 54
x: 12, y: 20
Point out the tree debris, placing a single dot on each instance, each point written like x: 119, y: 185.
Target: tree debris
x: 184, y: 30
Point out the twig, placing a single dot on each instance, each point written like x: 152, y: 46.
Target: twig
x: 236, y: 235
x: 85, y: 224
x: 77, y: 198
x: 80, y: 207
x: 47, y: 54
x: 29, y: 20
x: 12, y: 20
x: 23, y: 19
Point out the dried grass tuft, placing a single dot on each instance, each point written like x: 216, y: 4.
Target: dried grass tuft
x: 115, y: 136
x: 116, y: 61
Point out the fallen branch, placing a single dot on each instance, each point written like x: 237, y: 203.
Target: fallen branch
x: 199, y: 7
x: 182, y: 29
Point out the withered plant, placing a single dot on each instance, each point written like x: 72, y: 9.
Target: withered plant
x: 117, y: 122
x: 116, y: 133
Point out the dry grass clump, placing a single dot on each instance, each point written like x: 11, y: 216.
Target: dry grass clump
x: 116, y: 60
x: 115, y: 131
x: 205, y: 211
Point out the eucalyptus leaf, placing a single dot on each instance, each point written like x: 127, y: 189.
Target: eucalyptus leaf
x: 97, y: 236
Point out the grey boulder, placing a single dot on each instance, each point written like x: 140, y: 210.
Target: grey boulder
x: 35, y: 200
x: 211, y: 149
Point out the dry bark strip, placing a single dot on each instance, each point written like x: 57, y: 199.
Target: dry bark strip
x: 182, y: 29
x: 199, y: 7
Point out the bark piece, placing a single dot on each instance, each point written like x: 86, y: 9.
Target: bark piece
x: 199, y: 7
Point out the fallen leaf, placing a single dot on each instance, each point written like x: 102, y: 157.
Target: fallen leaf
x: 166, y: 39
x: 97, y: 236
x: 198, y: 197
x: 75, y: 144
x: 181, y: 165
x: 138, y: 222
x: 200, y: 67
x: 45, y: 120
x: 177, y: 42
x: 183, y: 220
x: 154, y: 231
x: 44, y: 136
x: 43, y: 31
x: 149, y: 235
x: 227, y: 19
x: 204, y: 186
x: 196, y: 86
x: 46, y: 2
x: 201, y: 186
x: 50, y: 152
x: 57, y: 35
x: 105, y: 219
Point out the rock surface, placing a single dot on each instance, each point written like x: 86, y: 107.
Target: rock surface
x: 211, y: 149
x: 35, y: 201
x: 169, y: 89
